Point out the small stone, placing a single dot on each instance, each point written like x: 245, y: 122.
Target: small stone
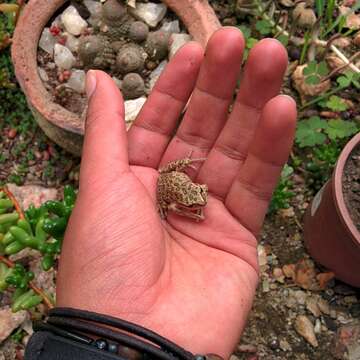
x: 9, y: 321
x: 132, y: 108
x: 72, y: 42
x: 73, y: 22
x: 342, y: 42
x: 262, y: 257
x: 138, y: 31
x: 317, y: 327
x: 43, y: 74
x: 284, y: 345
x: 77, y: 81
x: 63, y: 57
x: 324, y: 306
x: 304, y: 16
x: 312, y: 306
x: 12, y: 133
x: 300, y: 297
x: 32, y: 194
x: 133, y: 86
x: 47, y: 41
x: 352, y: 19
x: 278, y: 275
x: 176, y: 42
x: 347, y: 342
x: 94, y: 7
x: 172, y: 27
x: 150, y: 13
x: 274, y: 344
x: 305, y: 328
x: 154, y: 76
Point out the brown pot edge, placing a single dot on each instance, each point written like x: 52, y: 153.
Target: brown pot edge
x: 338, y: 195
x: 29, y: 78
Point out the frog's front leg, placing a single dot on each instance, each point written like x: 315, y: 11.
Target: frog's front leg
x: 196, y: 213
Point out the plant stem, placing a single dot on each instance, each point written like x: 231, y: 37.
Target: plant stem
x: 316, y: 100
x: 300, y: 41
x: 11, y: 196
x: 37, y: 290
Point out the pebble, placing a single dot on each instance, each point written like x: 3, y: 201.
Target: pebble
x: 176, y: 42
x: 300, y: 297
x: 63, y: 57
x: 312, y: 306
x: 43, y: 74
x: 10, y: 321
x: 150, y: 13
x: 72, y: 42
x: 12, y: 133
x: 284, y: 345
x: 95, y: 9
x: 47, y: 41
x: 73, y: 22
x: 172, y: 27
x: 154, y: 76
x: 77, y: 81
x: 133, y: 107
x: 305, y: 328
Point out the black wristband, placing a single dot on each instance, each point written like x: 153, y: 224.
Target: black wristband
x: 69, y: 334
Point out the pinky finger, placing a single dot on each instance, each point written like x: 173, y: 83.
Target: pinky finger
x: 251, y: 191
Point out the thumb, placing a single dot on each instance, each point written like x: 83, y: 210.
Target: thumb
x: 104, y: 154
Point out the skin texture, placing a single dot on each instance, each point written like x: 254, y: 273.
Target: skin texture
x: 193, y: 282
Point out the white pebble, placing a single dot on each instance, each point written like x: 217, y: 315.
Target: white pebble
x: 176, y: 42
x: 133, y: 107
x: 73, y: 22
x: 63, y: 57
x: 77, y: 81
x: 172, y: 27
x: 154, y: 76
x: 43, y: 74
x: 72, y: 42
x: 94, y: 7
x: 47, y: 41
x: 150, y: 13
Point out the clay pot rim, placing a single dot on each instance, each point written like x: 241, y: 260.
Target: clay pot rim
x: 24, y: 54
x: 337, y: 182
x: 33, y: 20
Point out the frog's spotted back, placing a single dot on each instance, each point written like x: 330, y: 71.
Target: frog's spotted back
x: 177, y: 192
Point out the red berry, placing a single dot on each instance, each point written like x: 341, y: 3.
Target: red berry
x: 12, y: 133
x: 55, y: 30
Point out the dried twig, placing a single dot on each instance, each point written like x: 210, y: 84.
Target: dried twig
x: 11, y: 196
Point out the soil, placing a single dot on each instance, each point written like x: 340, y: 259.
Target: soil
x: 351, y: 186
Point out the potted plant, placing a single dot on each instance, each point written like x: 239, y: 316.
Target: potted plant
x: 332, y: 221
x: 61, y: 125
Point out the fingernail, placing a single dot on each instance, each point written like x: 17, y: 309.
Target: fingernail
x: 90, y: 83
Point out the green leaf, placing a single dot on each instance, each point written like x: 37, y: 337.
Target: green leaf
x: 339, y: 129
x: 310, y: 68
x: 343, y: 81
x: 264, y: 27
x: 335, y: 103
x: 308, y: 132
x: 322, y: 69
x: 312, y: 80
x: 245, y: 30
x: 283, y: 39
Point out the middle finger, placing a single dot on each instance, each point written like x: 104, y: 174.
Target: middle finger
x: 208, y: 108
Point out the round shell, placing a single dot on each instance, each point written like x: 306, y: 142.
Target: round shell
x: 157, y: 44
x: 133, y: 86
x: 138, y: 31
x: 130, y: 58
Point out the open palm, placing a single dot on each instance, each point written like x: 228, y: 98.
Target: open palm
x: 192, y: 282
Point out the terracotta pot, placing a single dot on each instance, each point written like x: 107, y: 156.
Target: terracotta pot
x: 59, y: 124
x: 330, y: 234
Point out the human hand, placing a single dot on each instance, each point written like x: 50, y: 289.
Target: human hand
x: 192, y: 282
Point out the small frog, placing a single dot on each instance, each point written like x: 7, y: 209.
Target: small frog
x: 178, y: 193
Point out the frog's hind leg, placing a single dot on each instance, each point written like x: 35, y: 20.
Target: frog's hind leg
x: 196, y: 213
x: 180, y: 165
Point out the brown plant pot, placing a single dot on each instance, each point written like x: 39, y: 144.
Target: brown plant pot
x: 330, y: 234
x: 62, y: 126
